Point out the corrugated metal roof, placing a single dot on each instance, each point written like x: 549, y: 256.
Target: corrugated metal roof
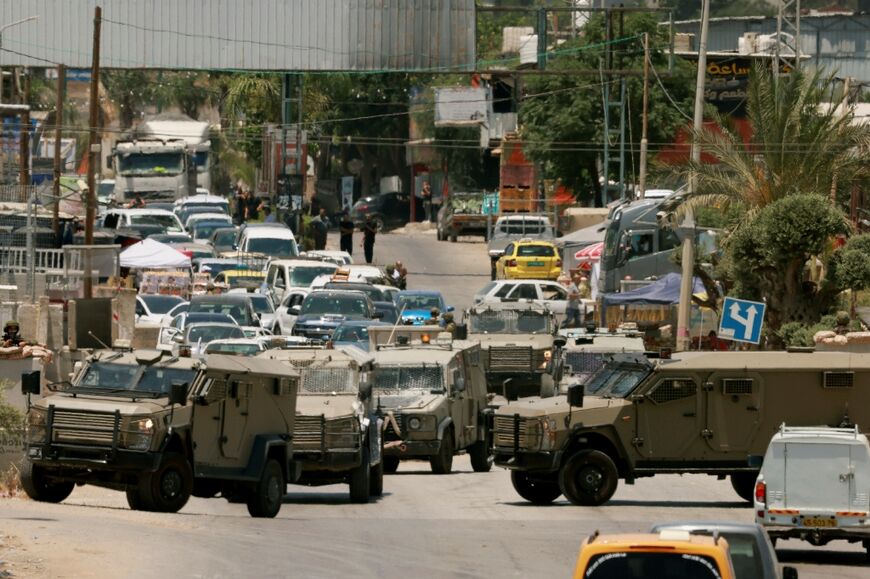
x: 244, y: 34
x: 838, y: 42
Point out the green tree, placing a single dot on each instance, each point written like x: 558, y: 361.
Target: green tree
x: 561, y: 116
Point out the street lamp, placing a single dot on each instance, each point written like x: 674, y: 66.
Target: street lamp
x: 2, y: 30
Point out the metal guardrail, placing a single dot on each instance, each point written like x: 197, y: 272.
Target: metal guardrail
x: 15, y: 259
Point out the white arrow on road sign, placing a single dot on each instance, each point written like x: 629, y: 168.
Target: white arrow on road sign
x: 747, y: 322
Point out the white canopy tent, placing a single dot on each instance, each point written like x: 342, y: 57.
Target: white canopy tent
x: 150, y: 254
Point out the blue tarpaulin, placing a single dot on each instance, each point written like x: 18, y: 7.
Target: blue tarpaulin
x: 662, y: 292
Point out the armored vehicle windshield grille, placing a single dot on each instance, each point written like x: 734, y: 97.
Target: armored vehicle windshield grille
x: 510, y: 359
x: 95, y: 428
x: 301, y: 363
x: 583, y: 362
x: 673, y: 389
x: 505, y: 428
x: 839, y: 379
x: 736, y: 386
x: 327, y: 380
x: 403, y: 378
x: 510, y: 322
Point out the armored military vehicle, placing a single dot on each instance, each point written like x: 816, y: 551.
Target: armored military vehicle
x: 337, y: 437
x: 702, y: 412
x: 431, y: 392
x: 125, y: 423
x: 518, y: 341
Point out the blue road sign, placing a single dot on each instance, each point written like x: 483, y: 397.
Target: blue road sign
x: 741, y: 320
x: 490, y: 204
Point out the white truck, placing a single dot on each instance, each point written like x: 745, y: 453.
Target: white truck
x: 196, y: 136
x: 814, y: 485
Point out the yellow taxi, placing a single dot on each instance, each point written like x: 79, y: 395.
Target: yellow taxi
x: 671, y: 553
x: 238, y: 278
x: 529, y: 259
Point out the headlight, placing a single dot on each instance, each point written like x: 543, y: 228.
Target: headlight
x: 143, y: 425
x: 138, y: 434
x: 35, y: 426
x: 414, y: 423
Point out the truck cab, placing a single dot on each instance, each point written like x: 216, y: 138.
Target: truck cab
x: 154, y: 169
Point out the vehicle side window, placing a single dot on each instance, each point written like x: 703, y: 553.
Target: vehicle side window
x: 111, y: 221
x: 509, y: 250
x: 524, y: 291
x: 668, y: 239
x: 296, y: 300
x: 504, y: 290
x: 140, y: 309
x: 553, y: 292
x: 671, y: 389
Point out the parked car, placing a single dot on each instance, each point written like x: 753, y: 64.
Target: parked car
x: 236, y: 346
x: 265, y: 308
x: 202, y: 230
x: 276, y: 242
x: 752, y: 553
x: 389, y: 311
x: 288, y: 310
x: 371, y: 291
x: 223, y: 239
x: 121, y: 218
x: 244, y: 279
x: 285, y: 274
x: 193, y: 341
x: 510, y: 228
x: 544, y: 292
x: 150, y: 309
x: 195, y: 218
x: 194, y: 250
x: 387, y: 209
x: 179, y: 322
x: 814, y: 485
x: 176, y: 237
x: 324, y: 310
x: 238, y: 306
x: 331, y: 255
x: 415, y: 306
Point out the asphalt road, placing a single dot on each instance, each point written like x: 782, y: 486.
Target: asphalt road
x: 461, y: 525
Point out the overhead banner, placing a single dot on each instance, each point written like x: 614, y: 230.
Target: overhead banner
x: 461, y: 106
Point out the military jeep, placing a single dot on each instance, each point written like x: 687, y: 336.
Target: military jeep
x: 431, y: 392
x: 586, y: 350
x: 702, y: 412
x: 518, y: 341
x: 337, y: 437
x: 126, y: 422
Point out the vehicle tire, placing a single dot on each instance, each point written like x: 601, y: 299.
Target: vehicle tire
x: 379, y: 223
x: 480, y: 454
x: 454, y: 237
x: 39, y: 488
x: 134, y: 500
x: 376, y: 484
x: 264, y: 500
x: 442, y: 463
x: 538, y: 490
x: 167, y: 489
x: 589, y: 478
x: 391, y: 464
x: 439, y: 235
x: 361, y: 480
x: 491, y: 270
x: 743, y: 484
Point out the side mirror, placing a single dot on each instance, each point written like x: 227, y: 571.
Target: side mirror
x: 31, y: 383
x: 294, y: 310
x: 755, y: 461
x: 177, y: 339
x: 511, y: 390
x: 377, y: 315
x: 559, y: 342
x: 789, y: 573
x: 365, y: 391
x: 576, y: 394
x: 178, y: 393
x: 450, y: 308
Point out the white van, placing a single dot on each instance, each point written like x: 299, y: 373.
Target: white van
x: 118, y: 218
x: 278, y: 242
x: 814, y: 485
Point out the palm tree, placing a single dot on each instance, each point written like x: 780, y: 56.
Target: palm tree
x: 800, y: 143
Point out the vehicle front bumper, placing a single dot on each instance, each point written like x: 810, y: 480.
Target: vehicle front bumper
x: 411, y: 448
x: 545, y: 461
x: 62, y: 456
x: 330, y: 460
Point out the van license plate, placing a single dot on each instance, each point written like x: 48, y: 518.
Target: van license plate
x: 819, y: 522
x: 536, y: 264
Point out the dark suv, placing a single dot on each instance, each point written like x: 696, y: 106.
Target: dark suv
x: 386, y: 209
x: 324, y: 310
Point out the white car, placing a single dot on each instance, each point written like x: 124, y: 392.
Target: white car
x: 285, y: 317
x: 117, y: 218
x: 548, y: 293
x: 193, y: 340
x: 202, y: 198
x: 207, y: 217
x: 282, y: 275
x: 336, y: 257
x: 278, y: 242
x: 151, y: 309
x: 236, y: 347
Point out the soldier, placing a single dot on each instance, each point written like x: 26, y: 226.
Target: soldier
x: 434, y: 317
x: 449, y: 324
x: 11, y: 337
x: 843, y: 322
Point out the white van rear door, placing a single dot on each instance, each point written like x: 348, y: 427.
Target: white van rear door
x: 812, y: 476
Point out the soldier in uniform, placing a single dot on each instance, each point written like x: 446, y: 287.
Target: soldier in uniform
x: 11, y: 336
x: 843, y: 322
x: 449, y: 324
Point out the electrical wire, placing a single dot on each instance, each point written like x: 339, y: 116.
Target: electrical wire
x: 667, y: 94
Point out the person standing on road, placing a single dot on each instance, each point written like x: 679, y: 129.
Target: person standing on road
x: 321, y: 227
x: 253, y: 206
x: 369, y: 230
x: 345, y: 227
x: 426, y: 194
x: 572, y: 307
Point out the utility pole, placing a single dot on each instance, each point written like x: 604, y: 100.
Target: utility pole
x: 24, y: 141
x: 93, y: 151
x: 58, y: 134
x: 645, y: 117
x: 686, y: 283
x: 844, y: 110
